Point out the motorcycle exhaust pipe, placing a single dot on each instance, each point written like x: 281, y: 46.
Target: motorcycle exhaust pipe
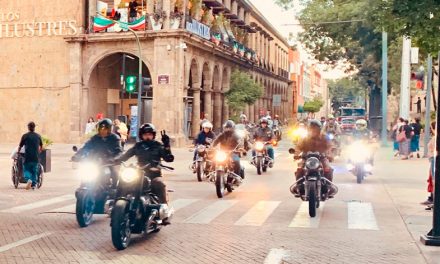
x: 333, y: 185
x: 292, y: 188
x: 237, y: 179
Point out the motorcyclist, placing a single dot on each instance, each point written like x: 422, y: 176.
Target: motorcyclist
x: 205, y: 137
x: 150, y: 151
x: 105, y: 146
x: 264, y: 134
x: 331, y: 126
x: 230, y: 141
x: 361, y: 131
x: 315, y: 142
x: 277, y: 121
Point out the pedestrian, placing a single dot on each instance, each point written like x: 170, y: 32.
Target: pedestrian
x: 90, y: 127
x: 121, y: 130
x: 404, y: 138
x: 419, y: 105
x: 394, y: 134
x: 132, y: 6
x: 33, y: 145
x: 431, y: 157
x: 415, y: 139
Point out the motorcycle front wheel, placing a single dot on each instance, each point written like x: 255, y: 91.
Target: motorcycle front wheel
x: 200, y: 170
x: 15, y: 178
x: 312, y: 200
x: 258, y: 164
x: 121, y: 232
x: 85, y: 206
x: 220, y: 184
x: 359, y: 177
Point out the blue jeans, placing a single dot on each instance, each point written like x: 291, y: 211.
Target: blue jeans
x: 236, y: 160
x: 270, y: 152
x: 31, y: 172
x: 415, y: 146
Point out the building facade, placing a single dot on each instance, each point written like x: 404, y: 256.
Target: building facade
x: 60, y: 68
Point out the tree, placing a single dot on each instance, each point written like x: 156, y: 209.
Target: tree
x: 313, y: 106
x: 244, y: 91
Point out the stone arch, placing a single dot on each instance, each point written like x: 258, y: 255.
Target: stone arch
x: 194, y: 75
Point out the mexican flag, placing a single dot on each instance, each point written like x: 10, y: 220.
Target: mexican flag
x: 100, y: 24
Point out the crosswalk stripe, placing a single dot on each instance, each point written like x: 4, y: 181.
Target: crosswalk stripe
x: 302, y: 218
x: 39, y: 204
x: 181, y: 203
x: 65, y: 209
x: 209, y: 213
x: 276, y: 256
x: 361, y: 216
x: 258, y: 214
x: 23, y: 241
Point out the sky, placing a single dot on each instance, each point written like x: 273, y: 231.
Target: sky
x: 279, y: 17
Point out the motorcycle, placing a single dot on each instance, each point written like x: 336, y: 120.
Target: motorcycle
x: 202, y: 165
x: 224, y: 176
x: 96, y: 192
x: 312, y: 186
x: 335, y: 150
x: 136, y: 211
x: 277, y: 132
x: 17, y: 171
x: 360, y: 161
x: 262, y: 160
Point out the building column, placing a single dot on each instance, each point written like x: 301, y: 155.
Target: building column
x: 77, y: 118
x: 217, y: 110
x: 195, y: 120
x: 208, y: 102
x: 167, y: 9
x: 251, y: 116
x: 225, y: 110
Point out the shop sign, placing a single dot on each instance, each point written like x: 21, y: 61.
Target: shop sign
x: 199, y: 29
x: 11, y: 26
x: 163, y: 79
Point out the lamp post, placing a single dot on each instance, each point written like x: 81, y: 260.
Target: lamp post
x: 140, y: 81
x: 384, y: 87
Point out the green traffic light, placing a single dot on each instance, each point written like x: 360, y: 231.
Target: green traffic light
x: 130, y: 83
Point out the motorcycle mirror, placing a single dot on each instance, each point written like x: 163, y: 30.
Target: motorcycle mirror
x: 292, y: 151
x: 75, y: 148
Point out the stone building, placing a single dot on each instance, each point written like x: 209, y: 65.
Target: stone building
x: 66, y: 61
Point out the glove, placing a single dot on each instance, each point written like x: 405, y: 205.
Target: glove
x: 165, y: 139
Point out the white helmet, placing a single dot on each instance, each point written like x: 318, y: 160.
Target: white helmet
x: 361, y: 124
x: 207, y: 125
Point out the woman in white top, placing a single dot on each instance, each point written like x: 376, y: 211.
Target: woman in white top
x: 90, y: 126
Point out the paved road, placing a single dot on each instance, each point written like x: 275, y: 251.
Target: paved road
x: 378, y: 221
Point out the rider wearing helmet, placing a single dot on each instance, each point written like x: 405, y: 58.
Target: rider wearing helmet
x: 264, y: 134
x: 331, y: 126
x: 243, y: 119
x: 230, y: 141
x: 105, y: 146
x: 205, y: 137
x: 315, y: 142
x: 277, y: 121
x: 151, y: 151
x: 362, y: 132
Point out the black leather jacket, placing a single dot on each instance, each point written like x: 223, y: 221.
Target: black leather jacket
x: 229, y: 140
x: 148, y: 152
x: 263, y: 134
x: 105, y: 148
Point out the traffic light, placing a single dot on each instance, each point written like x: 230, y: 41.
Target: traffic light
x: 130, y: 84
x: 419, y: 77
x: 146, y: 83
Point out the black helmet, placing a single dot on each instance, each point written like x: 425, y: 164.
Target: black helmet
x: 229, y: 124
x: 104, y: 123
x: 147, y: 128
x: 315, y: 124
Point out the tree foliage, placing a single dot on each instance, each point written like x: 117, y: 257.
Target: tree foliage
x: 346, y: 88
x: 244, y: 90
x: 314, y: 105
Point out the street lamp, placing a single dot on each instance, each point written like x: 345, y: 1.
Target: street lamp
x: 139, y: 98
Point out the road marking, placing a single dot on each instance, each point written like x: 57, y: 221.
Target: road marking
x: 276, y: 256
x: 361, y: 216
x: 302, y: 218
x: 39, y: 204
x: 258, y: 214
x: 23, y: 241
x: 71, y: 208
x: 206, y: 215
x: 181, y: 203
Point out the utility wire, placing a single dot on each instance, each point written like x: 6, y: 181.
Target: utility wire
x: 325, y: 22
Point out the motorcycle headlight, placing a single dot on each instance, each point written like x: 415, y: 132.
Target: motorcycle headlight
x: 301, y: 132
x: 331, y: 136
x: 368, y: 167
x: 88, y: 171
x: 129, y: 175
x: 350, y: 167
x: 259, y: 146
x: 312, y: 163
x: 241, y: 133
x: 220, y: 156
x: 359, y: 152
x: 201, y: 148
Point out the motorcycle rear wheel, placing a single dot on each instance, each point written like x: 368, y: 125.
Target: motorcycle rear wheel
x: 40, y: 176
x: 121, y: 232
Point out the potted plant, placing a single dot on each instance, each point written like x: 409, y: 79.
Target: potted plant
x: 194, y: 7
x: 46, y: 155
x: 207, y: 16
x: 156, y: 19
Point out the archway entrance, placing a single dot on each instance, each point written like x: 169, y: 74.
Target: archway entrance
x: 113, y: 90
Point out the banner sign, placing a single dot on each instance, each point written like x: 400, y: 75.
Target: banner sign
x: 199, y: 29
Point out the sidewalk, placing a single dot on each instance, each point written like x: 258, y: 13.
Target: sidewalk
x: 405, y: 182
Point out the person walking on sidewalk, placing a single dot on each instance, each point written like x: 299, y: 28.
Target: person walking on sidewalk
x: 404, y: 147
x: 395, y: 132
x: 33, y: 145
x: 415, y: 139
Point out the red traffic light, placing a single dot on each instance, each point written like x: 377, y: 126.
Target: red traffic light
x: 419, y: 85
